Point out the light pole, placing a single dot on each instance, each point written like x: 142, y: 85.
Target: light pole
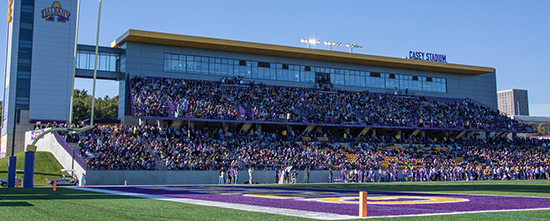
x: 331, y: 43
x: 351, y: 46
x: 310, y: 42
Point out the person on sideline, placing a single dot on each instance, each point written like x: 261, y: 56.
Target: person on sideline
x: 250, y: 171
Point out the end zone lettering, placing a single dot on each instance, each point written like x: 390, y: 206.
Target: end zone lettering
x: 415, y: 55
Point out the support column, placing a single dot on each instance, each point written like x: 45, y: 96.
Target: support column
x: 259, y: 128
x: 28, y: 175
x: 11, y: 171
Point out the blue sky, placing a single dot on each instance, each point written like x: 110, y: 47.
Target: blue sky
x: 511, y: 36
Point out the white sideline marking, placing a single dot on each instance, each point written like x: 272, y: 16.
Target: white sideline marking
x: 251, y: 208
x: 290, y: 212
x: 464, y: 212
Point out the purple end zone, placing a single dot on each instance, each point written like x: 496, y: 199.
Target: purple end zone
x: 473, y: 202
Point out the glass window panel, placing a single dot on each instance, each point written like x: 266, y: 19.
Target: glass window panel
x: 82, y: 61
x: 307, y: 76
x: 248, y: 72
x: 296, y: 75
x: 198, y: 67
x: 104, y: 62
x: 282, y: 74
x: 190, y: 65
x: 242, y: 71
x: 337, y: 79
x: 348, y: 79
x: 215, y: 69
x: 204, y: 67
x: 182, y: 63
x: 91, y: 60
x: 360, y: 81
x: 236, y: 70
x: 112, y: 63
x: 254, y: 70
x: 174, y: 65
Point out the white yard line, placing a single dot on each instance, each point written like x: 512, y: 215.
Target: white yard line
x: 467, y: 212
x: 251, y: 208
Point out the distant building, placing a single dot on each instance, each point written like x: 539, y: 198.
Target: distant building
x: 513, y: 102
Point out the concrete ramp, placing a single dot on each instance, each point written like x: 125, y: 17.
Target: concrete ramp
x: 61, y: 150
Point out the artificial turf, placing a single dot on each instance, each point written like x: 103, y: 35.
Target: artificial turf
x: 74, y: 204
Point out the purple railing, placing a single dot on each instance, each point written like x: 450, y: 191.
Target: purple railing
x: 70, y: 150
x: 171, y: 107
x: 131, y: 96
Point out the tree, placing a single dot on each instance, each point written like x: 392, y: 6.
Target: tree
x: 105, y: 108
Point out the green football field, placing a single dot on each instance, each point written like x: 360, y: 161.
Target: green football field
x: 73, y: 204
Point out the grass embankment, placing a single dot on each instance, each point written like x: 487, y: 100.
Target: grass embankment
x: 45, y: 166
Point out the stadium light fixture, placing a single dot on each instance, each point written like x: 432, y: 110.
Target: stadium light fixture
x: 351, y: 46
x: 331, y: 43
x: 310, y: 42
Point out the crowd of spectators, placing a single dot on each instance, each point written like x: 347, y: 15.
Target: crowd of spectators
x: 461, y: 160
x: 366, y: 159
x: 182, y: 98
x: 116, y: 148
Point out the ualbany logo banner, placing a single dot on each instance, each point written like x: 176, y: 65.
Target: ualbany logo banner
x: 56, y: 11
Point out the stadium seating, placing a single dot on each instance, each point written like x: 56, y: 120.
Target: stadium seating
x: 166, y: 98
x: 154, y: 148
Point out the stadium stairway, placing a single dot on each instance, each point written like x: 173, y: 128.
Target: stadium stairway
x: 246, y: 127
x: 176, y: 124
x: 309, y: 129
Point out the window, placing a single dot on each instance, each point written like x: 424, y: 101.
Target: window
x: 274, y: 71
x: 392, y: 81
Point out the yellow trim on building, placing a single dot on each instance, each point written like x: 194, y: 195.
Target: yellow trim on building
x: 295, y: 52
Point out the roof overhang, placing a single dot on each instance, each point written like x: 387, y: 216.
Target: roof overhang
x: 286, y: 51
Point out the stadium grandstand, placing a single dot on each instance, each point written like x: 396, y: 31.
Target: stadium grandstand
x: 192, y: 108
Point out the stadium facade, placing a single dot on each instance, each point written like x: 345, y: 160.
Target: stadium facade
x: 39, y: 67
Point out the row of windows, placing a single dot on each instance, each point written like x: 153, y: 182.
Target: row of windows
x: 23, y: 86
x: 299, y: 73
x: 105, y: 61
